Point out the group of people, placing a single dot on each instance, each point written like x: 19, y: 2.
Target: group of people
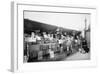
x: 57, y: 37
x: 65, y: 42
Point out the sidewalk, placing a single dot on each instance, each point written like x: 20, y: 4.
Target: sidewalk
x: 79, y: 56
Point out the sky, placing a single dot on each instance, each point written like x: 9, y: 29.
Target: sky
x: 65, y: 20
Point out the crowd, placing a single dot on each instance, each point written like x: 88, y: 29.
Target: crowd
x: 70, y: 41
x: 57, y: 37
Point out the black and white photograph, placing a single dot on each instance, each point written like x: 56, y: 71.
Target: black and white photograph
x: 56, y: 36
x: 46, y: 37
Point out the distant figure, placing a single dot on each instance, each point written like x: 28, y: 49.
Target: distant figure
x: 68, y: 43
x: 84, y: 46
x: 32, y: 38
x: 38, y: 37
x: 45, y: 35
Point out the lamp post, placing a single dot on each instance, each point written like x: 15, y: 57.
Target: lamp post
x: 85, y: 27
